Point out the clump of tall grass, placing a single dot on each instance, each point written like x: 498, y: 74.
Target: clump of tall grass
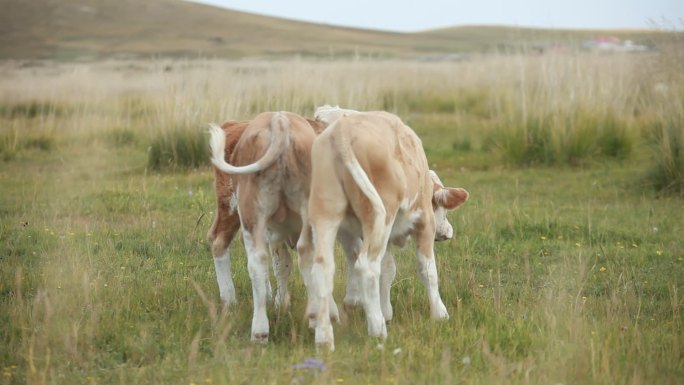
x: 667, y: 173
x: 9, y: 144
x: 178, y: 141
x: 565, y: 110
x: 470, y: 101
x: 32, y: 109
x: 563, y: 138
x: 12, y: 143
x: 29, y: 125
x: 178, y: 148
x: 40, y: 141
x: 122, y: 137
x: 665, y: 92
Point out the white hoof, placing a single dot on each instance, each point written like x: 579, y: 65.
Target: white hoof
x: 440, y: 312
x: 324, y: 338
x: 377, y: 328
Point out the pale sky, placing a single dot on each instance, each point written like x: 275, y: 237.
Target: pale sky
x: 412, y: 15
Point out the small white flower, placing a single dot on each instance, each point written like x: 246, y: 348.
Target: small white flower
x: 466, y: 360
x: 396, y: 351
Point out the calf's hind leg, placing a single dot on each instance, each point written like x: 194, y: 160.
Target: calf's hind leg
x: 257, y: 264
x: 223, y: 230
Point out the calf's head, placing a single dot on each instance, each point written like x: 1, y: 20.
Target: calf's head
x: 443, y: 200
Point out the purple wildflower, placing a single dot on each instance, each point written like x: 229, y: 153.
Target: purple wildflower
x: 311, y: 363
x: 311, y: 368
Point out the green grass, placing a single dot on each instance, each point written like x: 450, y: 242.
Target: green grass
x: 556, y: 274
x: 547, y: 280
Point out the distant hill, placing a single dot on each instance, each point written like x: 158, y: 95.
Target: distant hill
x: 98, y: 29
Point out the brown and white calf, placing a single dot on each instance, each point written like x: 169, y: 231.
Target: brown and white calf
x: 271, y: 167
x: 227, y: 222
x: 371, y: 179
x: 226, y: 219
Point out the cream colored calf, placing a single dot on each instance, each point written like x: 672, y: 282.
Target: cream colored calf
x: 370, y: 179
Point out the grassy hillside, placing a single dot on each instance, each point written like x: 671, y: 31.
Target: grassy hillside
x: 95, y: 29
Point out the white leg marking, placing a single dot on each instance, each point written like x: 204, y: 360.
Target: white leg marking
x: 370, y: 273
x: 224, y: 278
x: 322, y: 275
x: 305, y: 262
x: 389, y: 271
x: 427, y: 269
x: 257, y: 264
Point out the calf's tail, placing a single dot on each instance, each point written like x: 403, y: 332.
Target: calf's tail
x: 279, y: 128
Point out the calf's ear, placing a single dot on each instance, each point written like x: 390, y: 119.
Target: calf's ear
x: 450, y: 197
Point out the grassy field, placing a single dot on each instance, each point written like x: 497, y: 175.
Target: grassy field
x: 567, y: 266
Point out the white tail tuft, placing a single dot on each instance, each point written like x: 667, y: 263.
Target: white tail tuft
x: 279, y: 129
x: 217, y: 142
